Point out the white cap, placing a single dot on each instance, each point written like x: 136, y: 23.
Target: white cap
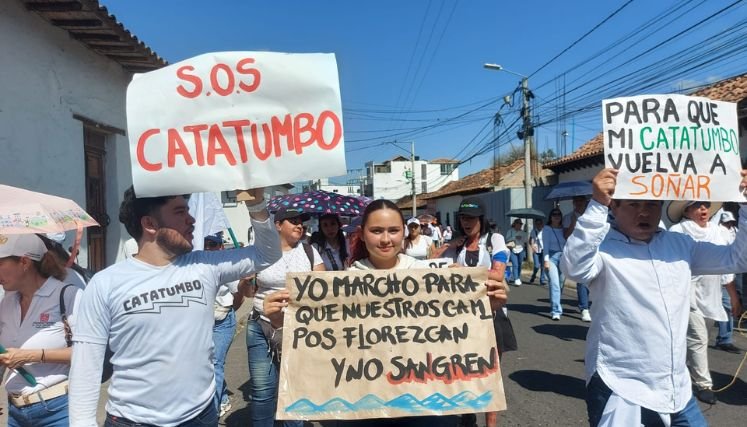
x: 727, y: 216
x: 23, y: 245
x: 413, y: 221
x: 57, y: 237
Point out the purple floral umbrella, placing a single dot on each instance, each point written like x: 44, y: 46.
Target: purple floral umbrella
x: 320, y: 203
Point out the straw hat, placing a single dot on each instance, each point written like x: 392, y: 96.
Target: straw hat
x: 676, y: 209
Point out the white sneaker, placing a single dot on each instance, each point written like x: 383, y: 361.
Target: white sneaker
x: 585, y: 316
x: 555, y: 317
x: 517, y: 282
x: 224, y: 408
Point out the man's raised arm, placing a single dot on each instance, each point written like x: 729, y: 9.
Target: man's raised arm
x: 581, y: 261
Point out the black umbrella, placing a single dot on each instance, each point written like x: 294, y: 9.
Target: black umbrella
x: 526, y: 213
x: 569, y: 190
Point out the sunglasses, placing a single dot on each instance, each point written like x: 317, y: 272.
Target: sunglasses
x: 413, y: 225
x: 295, y: 220
x: 212, y: 245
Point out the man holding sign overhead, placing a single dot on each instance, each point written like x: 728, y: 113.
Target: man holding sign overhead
x: 639, y: 274
x: 155, y: 310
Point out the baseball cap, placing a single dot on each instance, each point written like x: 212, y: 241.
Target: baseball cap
x: 413, y: 221
x: 471, y: 206
x: 727, y: 217
x: 288, y: 213
x: 214, y: 238
x: 23, y: 245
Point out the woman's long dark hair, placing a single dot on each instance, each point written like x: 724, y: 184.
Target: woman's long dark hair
x: 320, y: 239
x: 358, y: 247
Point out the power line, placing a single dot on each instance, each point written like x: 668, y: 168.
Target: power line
x: 582, y: 37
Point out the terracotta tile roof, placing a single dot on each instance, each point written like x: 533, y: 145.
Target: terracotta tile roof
x: 733, y: 89
x: 479, y: 181
x: 591, y: 148
x: 443, y: 160
x: 91, y: 24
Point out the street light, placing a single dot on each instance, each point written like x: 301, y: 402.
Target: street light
x: 526, y: 132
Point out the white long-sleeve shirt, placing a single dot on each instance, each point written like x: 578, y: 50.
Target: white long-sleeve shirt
x: 641, y: 294
x: 158, y: 321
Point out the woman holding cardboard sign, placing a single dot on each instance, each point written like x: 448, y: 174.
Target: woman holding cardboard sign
x: 481, y: 248
x: 263, y: 338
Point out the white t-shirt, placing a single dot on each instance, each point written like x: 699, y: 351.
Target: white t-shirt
x: 484, y: 259
x: 224, y: 297
x: 328, y: 254
x: 159, y: 322
x: 536, y: 237
x: 419, y: 248
x: 41, y: 328
x: 272, y: 278
x: 435, y: 234
x: 518, y: 237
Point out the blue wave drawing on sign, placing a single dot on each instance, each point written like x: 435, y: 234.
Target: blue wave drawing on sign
x: 406, y: 402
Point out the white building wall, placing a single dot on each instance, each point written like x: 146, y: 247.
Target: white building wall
x: 395, y: 184
x: 45, y: 78
x: 238, y: 216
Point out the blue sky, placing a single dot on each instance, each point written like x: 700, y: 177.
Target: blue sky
x: 412, y: 70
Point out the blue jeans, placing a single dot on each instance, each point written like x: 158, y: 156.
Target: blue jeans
x: 725, y: 328
x: 597, y: 394
x: 263, y: 378
x: 537, y: 257
x: 223, y: 331
x: 48, y: 413
x: 556, y: 283
x: 516, y: 261
x: 582, y: 291
x: 208, y: 417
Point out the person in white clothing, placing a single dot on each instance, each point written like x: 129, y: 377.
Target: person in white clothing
x: 263, y: 330
x: 331, y: 244
x: 639, y: 276
x: 569, y: 222
x: 692, y: 218
x: 155, y: 310
x: 538, y: 251
x: 554, y: 242
x: 481, y: 247
x: 32, y: 331
x: 416, y: 244
x: 229, y: 298
x: 516, y: 240
x: 724, y: 339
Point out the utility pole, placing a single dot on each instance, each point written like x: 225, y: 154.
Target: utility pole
x: 528, y: 135
x: 412, y: 172
x: 412, y: 165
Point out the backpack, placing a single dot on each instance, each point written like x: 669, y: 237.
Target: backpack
x: 309, y: 253
x: 488, y: 245
x: 108, y: 367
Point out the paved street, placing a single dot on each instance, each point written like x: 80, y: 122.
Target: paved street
x: 544, y: 379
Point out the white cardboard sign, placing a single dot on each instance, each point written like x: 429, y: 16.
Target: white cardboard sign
x: 673, y: 147
x: 228, y: 120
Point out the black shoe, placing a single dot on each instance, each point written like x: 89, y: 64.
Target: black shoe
x: 706, y: 395
x: 731, y: 348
